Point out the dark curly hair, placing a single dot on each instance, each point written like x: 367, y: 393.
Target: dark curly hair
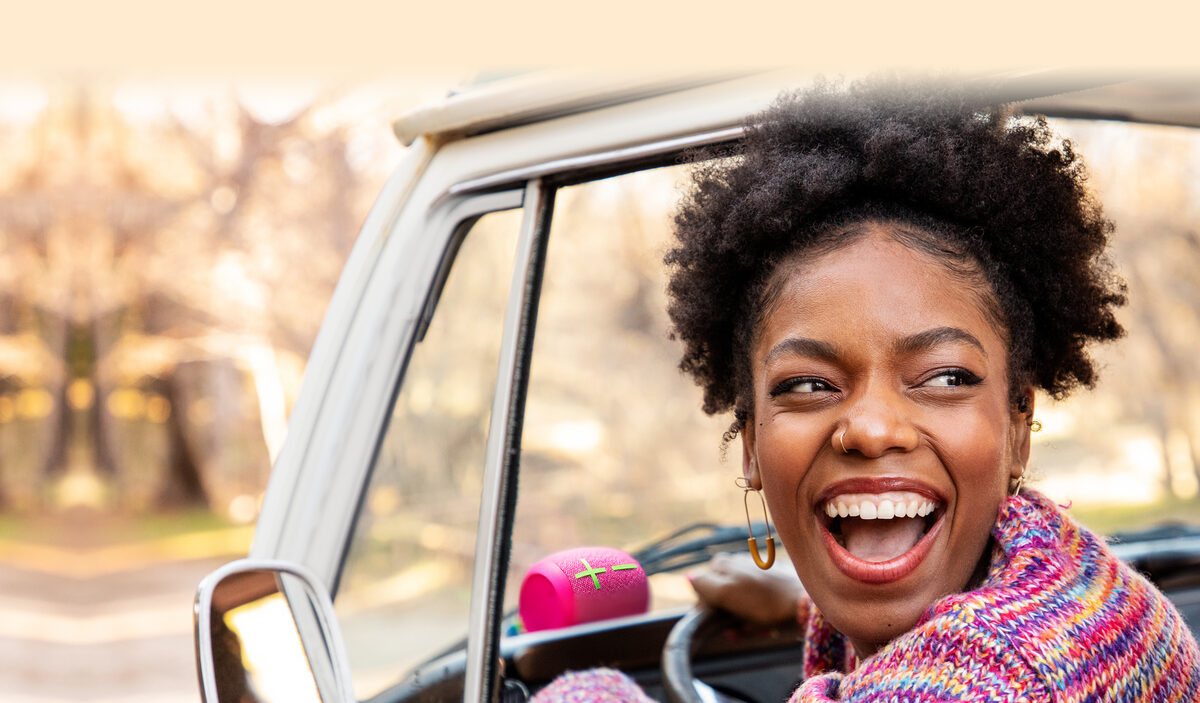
x: 998, y: 200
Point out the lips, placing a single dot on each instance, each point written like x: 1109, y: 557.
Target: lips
x: 879, y: 530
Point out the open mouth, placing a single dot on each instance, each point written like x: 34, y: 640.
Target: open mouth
x: 879, y: 537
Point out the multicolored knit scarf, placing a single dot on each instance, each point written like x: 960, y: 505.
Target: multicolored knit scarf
x: 1058, y: 618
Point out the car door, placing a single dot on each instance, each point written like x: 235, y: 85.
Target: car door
x: 429, y: 393
x: 330, y: 475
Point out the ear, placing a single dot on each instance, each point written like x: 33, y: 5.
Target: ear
x: 750, y: 465
x: 1021, y: 436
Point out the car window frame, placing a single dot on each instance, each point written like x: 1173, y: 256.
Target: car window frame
x: 450, y: 222
x: 317, y: 483
x: 457, y: 217
x: 502, y: 459
x: 502, y: 456
x: 498, y: 497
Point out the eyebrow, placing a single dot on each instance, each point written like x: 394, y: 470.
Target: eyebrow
x: 803, y: 346
x: 921, y: 341
x: 937, y: 336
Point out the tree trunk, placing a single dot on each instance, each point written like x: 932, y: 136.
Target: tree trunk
x: 182, y: 484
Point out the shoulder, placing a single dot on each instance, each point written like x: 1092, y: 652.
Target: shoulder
x: 1070, y: 609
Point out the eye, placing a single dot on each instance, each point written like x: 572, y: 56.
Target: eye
x: 803, y: 384
x: 952, y: 377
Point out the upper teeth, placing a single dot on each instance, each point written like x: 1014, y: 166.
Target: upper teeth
x: 882, y: 506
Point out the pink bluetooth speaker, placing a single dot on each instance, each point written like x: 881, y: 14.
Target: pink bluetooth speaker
x: 582, y: 585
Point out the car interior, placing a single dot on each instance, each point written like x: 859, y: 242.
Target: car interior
x: 614, y: 451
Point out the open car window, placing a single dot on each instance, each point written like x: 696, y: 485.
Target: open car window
x: 406, y: 584
x: 615, y: 450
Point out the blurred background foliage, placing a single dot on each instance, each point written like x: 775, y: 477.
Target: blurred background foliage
x: 1128, y: 452
x: 169, y: 252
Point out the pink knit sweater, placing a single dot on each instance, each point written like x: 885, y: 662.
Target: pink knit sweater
x: 1058, y: 618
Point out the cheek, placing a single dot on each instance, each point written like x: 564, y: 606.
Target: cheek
x: 977, y: 451
x: 786, y: 450
x: 978, y: 458
x: 787, y: 443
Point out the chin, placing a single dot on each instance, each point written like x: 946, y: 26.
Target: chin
x: 871, y: 624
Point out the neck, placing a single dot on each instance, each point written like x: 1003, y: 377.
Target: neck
x: 864, y: 649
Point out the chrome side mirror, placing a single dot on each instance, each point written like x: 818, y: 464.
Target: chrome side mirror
x: 266, y: 633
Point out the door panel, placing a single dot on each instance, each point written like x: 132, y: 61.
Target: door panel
x: 405, y: 587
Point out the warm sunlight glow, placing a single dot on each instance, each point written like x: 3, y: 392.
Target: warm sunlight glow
x: 272, y: 652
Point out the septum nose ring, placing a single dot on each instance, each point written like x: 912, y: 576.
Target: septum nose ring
x: 842, y: 441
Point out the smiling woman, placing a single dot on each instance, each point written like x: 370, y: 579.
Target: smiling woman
x: 875, y: 287
x: 880, y: 383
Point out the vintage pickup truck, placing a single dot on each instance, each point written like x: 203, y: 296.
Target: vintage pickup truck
x: 500, y: 316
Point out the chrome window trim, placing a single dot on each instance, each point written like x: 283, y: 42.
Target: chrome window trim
x: 284, y: 483
x: 380, y: 393
x: 358, y: 395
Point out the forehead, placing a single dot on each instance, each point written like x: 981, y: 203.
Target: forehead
x: 875, y: 290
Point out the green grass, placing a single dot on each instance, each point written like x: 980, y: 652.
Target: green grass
x: 17, y: 527
x: 154, y: 525
x: 98, y: 529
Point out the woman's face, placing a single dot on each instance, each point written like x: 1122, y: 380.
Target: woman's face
x: 878, y: 348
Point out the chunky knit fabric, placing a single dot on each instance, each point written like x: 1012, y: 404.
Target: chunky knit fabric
x: 592, y: 686
x: 1058, y: 618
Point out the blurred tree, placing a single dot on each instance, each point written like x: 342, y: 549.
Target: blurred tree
x: 1146, y: 176
x: 169, y: 259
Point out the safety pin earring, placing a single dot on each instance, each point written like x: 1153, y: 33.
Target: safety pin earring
x: 743, y: 483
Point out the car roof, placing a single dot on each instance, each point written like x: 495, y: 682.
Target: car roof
x: 534, y: 97
x: 525, y: 98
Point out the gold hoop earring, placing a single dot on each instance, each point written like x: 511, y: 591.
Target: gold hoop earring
x: 842, y: 441
x: 1035, y: 425
x: 744, y: 484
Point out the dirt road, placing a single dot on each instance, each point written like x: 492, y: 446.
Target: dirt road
x: 103, y: 623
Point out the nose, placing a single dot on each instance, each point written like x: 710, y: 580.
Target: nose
x: 877, y: 421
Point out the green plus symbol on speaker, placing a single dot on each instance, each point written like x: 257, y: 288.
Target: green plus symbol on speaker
x: 589, y: 571
x: 594, y: 573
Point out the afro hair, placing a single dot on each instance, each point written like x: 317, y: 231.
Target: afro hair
x: 999, y: 196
